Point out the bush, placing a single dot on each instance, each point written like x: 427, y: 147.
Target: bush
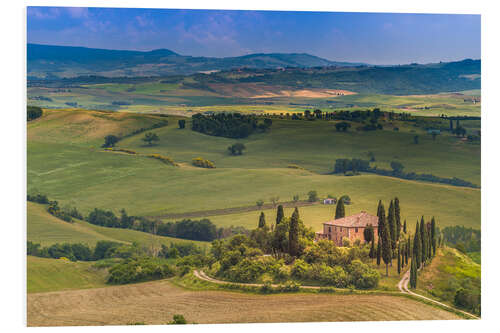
x: 289, y: 287
x: 178, y: 320
x: 39, y: 198
x: 362, y: 276
x: 182, y: 123
x: 138, y: 270
x: 300, y: 269
x: 203, y: 163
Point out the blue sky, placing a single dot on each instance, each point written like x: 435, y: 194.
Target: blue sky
x: 375, y: 38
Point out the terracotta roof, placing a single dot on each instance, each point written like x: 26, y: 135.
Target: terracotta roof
x: 359, y: 220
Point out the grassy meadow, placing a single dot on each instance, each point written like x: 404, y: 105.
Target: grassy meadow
x: 45, y: 275
x: 65, y: 162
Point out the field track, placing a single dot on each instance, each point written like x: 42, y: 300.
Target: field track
x: 403, y: 287
x: 156, y: 303
x: 234, y: 210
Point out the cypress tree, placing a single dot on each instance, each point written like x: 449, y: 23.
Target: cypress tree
x: 391, y: 223
x: 433, y: 236
x: 413, y: 273
x: 399, y: 259
x: 385, y: 236
x: 280, y: 214
x: 293, y: 234
x: 340, y: 209
x: 423, y: 239
x: 372, y: 249
x: 397, y: 214
x: 262, y: 220
x: 417, y: 248
x: 404, y: 227
x: 379, y: 252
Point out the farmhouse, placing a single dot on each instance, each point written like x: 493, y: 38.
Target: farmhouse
x: 329, y: 201
x: 351, y: 227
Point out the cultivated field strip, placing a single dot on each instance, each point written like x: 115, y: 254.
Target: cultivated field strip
x: 156, y: 303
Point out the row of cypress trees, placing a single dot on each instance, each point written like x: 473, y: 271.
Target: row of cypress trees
x: 293, y: 229
x: 424, y: 247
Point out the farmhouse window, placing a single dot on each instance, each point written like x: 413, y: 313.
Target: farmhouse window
x: 329, y: 229
x: 355, y: 229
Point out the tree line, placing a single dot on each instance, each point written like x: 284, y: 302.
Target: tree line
x: 354, y: 166
x: 229, y: 125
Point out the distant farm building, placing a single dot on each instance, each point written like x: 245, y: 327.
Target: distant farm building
x: 434, y: 131
x: 350, y: 227
x: 329, y: 201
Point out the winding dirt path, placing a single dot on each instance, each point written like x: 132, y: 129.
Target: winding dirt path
x: 403, y: 287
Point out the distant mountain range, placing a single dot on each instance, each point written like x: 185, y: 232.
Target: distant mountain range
x: 49, y: 61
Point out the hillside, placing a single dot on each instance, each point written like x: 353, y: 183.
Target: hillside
x: 46, y: 229
x: 67, y: 61
x: 75, y: 171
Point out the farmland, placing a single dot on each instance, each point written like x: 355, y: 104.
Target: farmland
x: 157, y: 302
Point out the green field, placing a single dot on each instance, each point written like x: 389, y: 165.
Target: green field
x: 45, y: 229
x: 59, y: 274
x: 74, y: 170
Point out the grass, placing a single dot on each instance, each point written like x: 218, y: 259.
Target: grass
x: 75, y: 171
x: 156, y: 302
x: 45, y: 275
x: 46, y: 229
x: 449, y: 271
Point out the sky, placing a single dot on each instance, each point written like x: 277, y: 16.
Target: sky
x: 374, y: 38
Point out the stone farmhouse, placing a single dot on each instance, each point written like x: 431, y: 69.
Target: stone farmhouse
x: 351, y: 227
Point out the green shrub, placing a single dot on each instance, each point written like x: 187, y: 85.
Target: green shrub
x: 362, y: 276
x: 138, y: 270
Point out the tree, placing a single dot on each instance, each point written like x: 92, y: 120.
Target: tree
x: 368, y: 233
x: 423, y: 239
x: 340, y: 209
x: 295, y: 198
x: 417, y: 247
x: 342, y: 126
x: 404, y: 227
x: 312, y: 196
x: 391, y: 224
x: 433, y: 236
x: 279, y: 214
x: 262, y: 220
x: 34, y: 112
x: 399, y: 259
x: 260, y: 203
x: 413, y: 273
x: 110, y: 141
x: 379, y: 252
x: 293, y: 234
x: 149, y: 137
x: 415, y: 139
x: 372, y: 253
x: 236, y: 149
x: 385, y: 237
x: 182, y: 123
x: 397, y: 167
x: 397, y: 214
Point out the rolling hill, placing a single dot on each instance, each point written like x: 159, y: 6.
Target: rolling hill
x: 68, y: 61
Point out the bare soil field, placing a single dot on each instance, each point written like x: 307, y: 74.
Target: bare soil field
x: 156, y: 303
